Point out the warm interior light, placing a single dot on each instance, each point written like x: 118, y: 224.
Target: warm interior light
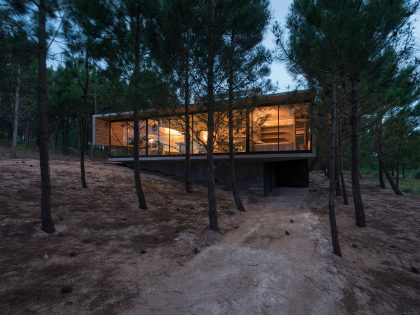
x: 286, y: 121
x: 173, y: 132
x: 203, y: 136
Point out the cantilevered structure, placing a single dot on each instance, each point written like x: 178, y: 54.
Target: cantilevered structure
x: 272, y: 140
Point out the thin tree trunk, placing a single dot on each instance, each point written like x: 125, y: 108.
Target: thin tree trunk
x: 332, y: 177
x: 136, y: 166
x: 355, y: 174
x: 379, y: 152
x: 235, y: 190
x: 187, y: 180
x: 403, y: 171
x: 325, y: 164
x: 46, y: 219
x: 391, y: 181
x: 16, y: 114
x: 381, y: 175
x: 340, y: 165
x: 95, y: 112
x: 378, y: 144
x: 397, y: 179
x: 85, y: 123
x: 211, y: 186
x: 337, y: 172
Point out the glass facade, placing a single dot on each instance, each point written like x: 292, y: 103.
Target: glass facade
x: 261, y: 129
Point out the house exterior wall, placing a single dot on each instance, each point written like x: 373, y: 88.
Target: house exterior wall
x: 101, y: 131
x: 260, y: 177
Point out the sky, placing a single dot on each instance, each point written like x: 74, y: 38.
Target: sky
x: 279, y: 75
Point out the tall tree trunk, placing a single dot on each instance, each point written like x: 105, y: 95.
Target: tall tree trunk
x: 325, y: 165
x: 211, y: 186
x: 381, y: 175
x: 16, y: 114
x: 235, y: 190
x: 340, y: 165
x: 355, y: 174
x: 95, y: 107
x: 337, y: 172
x: 85, y: 123
x: 391, y: 181
x: 397, y: 178
x: 46, y: 219
x: 136, y: 165
x: 378, y: 141
x: 332, y: 177
x: 379, y: 153
x: 187, y: 180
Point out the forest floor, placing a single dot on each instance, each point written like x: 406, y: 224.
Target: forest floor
x: 107, y: 257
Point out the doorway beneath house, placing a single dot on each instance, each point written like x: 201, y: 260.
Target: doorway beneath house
x: 292, y: 173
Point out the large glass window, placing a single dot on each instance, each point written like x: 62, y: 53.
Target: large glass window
x: 279, y: 128
x: 262, y: 129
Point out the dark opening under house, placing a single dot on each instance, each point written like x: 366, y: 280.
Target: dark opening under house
x: 272, y: 140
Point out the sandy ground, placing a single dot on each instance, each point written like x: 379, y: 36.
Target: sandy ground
x: 115, y: 259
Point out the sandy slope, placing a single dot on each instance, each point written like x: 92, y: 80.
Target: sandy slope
x: 256, y: 269
x: 118, y: 260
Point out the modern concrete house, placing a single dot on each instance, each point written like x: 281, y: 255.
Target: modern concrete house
x: 272, y: 139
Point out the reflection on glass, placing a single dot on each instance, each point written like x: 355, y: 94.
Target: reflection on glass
x: 200, y: 133
x: 270, y: 129
x: 239, y: 130
x: 265, y: 129
x: 142, y: 137
x: 280, y: 128
x: 177, y: 135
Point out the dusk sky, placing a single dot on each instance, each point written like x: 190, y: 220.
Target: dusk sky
x: 279, y: 74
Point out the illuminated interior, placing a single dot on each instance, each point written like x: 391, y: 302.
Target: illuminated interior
x: 265, y: 129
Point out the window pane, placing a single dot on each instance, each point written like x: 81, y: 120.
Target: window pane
x: 177, y: 139
x: 287, y: 139
x: 264, y: 129
x: 119, y: 138
x: 142, y: 137
x: 221, y: 136
x: 239, y: 130
x: 200, y: 133
x: 158, y: 142
x: 302, y: 127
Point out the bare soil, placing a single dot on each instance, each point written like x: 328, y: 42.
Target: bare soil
x: 108, y: 257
